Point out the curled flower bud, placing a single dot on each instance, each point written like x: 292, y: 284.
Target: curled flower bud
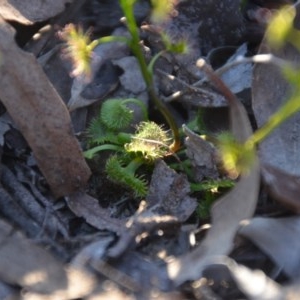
x: 162, y: 10
x: 78, y: 48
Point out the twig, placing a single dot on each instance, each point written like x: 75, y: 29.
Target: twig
x: 259, y: 58
x: 178, y: 94
x: 216, y: 80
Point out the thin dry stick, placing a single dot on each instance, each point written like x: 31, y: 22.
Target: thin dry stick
x: 178, y: 94
x: 218, y: 83
x: 259, y: 58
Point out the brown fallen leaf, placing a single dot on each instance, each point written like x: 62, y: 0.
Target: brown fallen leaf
x: 283, y: 187
x: 80, y: 285
x: 269, y: 92
x: 279, y: 152
x: 254, y: 284
x: 202, y: 154
x: 41, y: 116
x: 229, y: 211
x: 87, y: 207
x: 29, y: 12
x: 25, y: 264
x: 7, y: 292
x: 169, y: 193
x: 279, y: 239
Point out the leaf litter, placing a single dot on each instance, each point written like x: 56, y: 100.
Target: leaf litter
x: 148, y: 249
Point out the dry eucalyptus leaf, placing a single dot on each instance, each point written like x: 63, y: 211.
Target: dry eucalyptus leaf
x: 7, y: 292
x: 254, y: 284
x: 88, y: 208
x: 283, y: 187
x: 239, y: 122
x: 292, y: 291
x: 238, y: 78
x: 104, y: 81
x: 278, y: 238
x: 279, y: 152
x: 81, y: 285
x: 202, y: 154
x: 169, y: 193
x: 31, y: 11
x: 93, y: 250
x: 4, y: 127
x: 25, y: 264
x: 227, y: 213
x: 41, y: 116
x: 270, y: 91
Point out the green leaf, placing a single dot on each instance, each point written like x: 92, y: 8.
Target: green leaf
x: 98, y: 133
x: 115, y: 114
x: 126, y: 176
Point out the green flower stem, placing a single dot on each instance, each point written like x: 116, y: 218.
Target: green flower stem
x: 123, y: 138
x: 108, y: 39
x: 154, y: 59
x: 286, y: 111
x: 89, y: 154
x: 134, y: 165
x: 126, y: 175
x: 127, y: 7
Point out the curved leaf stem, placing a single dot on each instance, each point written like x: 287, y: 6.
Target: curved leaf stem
x: 135, y: 46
